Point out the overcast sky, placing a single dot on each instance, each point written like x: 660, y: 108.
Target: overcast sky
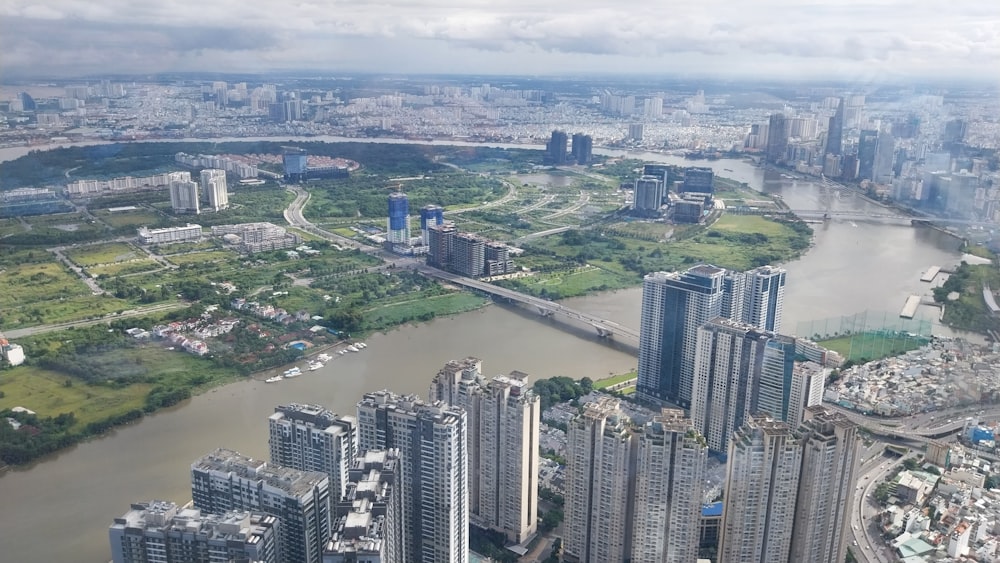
x: 866, y: 40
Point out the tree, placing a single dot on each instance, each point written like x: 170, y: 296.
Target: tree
x: 587, y: 385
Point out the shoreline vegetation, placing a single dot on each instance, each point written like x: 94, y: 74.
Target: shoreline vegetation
x: 84, y: 381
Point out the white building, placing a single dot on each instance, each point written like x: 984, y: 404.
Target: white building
x: 214, y: 192
x: 13, y: 353
x: 503, y: 424
x: 169, y: 234
x: 600, y: 448
x: 762, y: 477
x: 311, y: 438
x: 184, y: 196
x: 670, y: 467
x: 433, y: 477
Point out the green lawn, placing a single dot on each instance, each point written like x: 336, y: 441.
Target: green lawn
x: 125, y: 268
x: 201, y: 257
x: 417, y: 308
x: 872, y: 346
x: 108, y: 253
x: 614, y: 380
x: 10, y: 227
x: 28, y: 284
x: 139, y: 218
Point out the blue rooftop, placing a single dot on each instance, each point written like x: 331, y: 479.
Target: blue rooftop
x: 714, y: 509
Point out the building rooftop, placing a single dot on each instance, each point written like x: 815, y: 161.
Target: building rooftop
x: 291, y: 481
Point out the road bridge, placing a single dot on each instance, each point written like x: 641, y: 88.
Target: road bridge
x: 545, y: 308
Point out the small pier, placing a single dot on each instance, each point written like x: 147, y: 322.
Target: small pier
x: 910, y: 308
x: 930, y: 274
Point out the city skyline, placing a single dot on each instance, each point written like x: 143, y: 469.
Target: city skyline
x: 779, y: 39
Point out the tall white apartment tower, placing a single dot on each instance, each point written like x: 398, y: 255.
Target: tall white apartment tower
x: 214, y: 192
x: 726, y: 376
x: 503, y: 425
x: 762, y: 476
x: 755, y: 297
x: 600, y: 452
x: 830, y: 459
x: 312, y: 438
x: 184, y: 196
x: 669, y: 474
x: 433, y: 477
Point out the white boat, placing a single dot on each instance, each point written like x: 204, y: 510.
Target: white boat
x: 274, y: 379
x: 341, y: 352
x: 352, y: 348
x: 361, y: 345
x: 324, y: 357
x: 313, y: 366
x: 292, y: 372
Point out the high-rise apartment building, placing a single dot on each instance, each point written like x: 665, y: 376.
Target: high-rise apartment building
x: 635, y: 131
x: 162, y: 532
x: 600, y: 450
x: 440, y: 245
x: 184, y: 196
x: 830, y: 460
x: 312, y: 438
x: 503, y: 416
x: 762, y: 480
x: 366, y: 518
x: 885, y: 151
x: 786, y: 387
x: 648, y: 195
x: 867, y: 146
x: 225, y: 480
x: 398, y: 225
x: 430, y: 215
x: 674, y: 305
x: 214, y: 193
x: 756, y: 297
x: 555, y: 149
x: 433, y: 476
x: 468, y: 254
x: 583, y: 148
x: 669, y: 470
x: 835, y: 131
x: 727, y: 366
x: 777, y: 137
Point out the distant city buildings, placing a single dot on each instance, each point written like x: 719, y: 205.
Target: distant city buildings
x: 184, y: 196
x: 555, y: 149
x: 777, y: 137
x: 583, y: 149
x: 88, y: 188
x: 214, y: 194
x: 466, y: 254
x: 226, y: 480
x: 256, y: 237
x: 237, y: 167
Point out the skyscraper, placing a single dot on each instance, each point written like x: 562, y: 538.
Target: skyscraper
x: 830, y: 459
x: 225, y: 480
x: 583, y: 148
x: 503, y: 416
x: 440, y: 245
x: 885, y: 150
x: 635, y: 131
x: 835, y: 131
x: 398, y: 231
x: 762, y: 480
x: 698, y: 179
x: 674, y: 305
x: 600, y: 449
x: 867, y: 145
x: 756, y: 297
x: 777, y: 137
x: 366, y: 518
x: 786, y: 387
x: 184, y: 196
x: 213, y: 189
x: 295, y: 162
x: 312, y: 438
x: 163, y: 532
x: 555, y: 149
x: 430, y: 215
x: 648, y: 196
x: 726, y: 370
x: 669, y: 477
x: 433, y: 477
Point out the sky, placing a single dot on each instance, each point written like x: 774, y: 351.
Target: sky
x: 857, y: 40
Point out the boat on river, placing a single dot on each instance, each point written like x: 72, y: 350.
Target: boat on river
x: 274, y: 379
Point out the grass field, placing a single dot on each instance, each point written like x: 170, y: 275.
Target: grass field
x: 872, y: 346
x: 416, y: 307
x: 182, y: 247
x: 10, y: 227
x: 201, y: 257
x: 125, y: 268
x: 109, y: 253
x: 614, y: 380
x: 29, y: 284
x: 46, y: 393
x: 129, y: 218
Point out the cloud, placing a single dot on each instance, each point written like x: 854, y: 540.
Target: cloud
x: 916, y: 36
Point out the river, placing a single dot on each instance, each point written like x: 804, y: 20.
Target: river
x: 851, y: 268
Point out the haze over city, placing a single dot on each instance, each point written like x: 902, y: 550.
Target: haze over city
x: 858, y: 41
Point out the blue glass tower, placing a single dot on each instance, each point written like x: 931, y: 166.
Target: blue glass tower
x: 399, y: 218
x: 430, y: 215
x: 296, y: 163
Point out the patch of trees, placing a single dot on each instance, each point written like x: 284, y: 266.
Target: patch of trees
x: 560, y: 389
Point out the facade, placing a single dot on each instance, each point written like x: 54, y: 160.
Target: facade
x: 162, y: 532
x: 225, y: 480
x: 867, y: 146
x: 295, y: 161
x: 169, y: 234
x: 674, y: 305
x: 698, y: 179
x: 600, y: 450
x: 440, y: 243
x: 365, y: 521
x: 503, y: 416
x: 727, y: 368
x: 214, y: 192
x: 398, y: 226
x: 670, y: 468
x: 763, y: 298
x: 433, y: 477
x: 468, y: 255
x: 830, y: 461
x: 885, y: 151
x: 184, y: 197
x: 497, y: 259
x: 430, y: 215
x: 648, y: 196
x: 762, y: 480
x: 583, y: 148
x: 835, y: 131
x: 787, y: 387
x: 555, y: 149
x: 777, y: 137
x: 312, y: 438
